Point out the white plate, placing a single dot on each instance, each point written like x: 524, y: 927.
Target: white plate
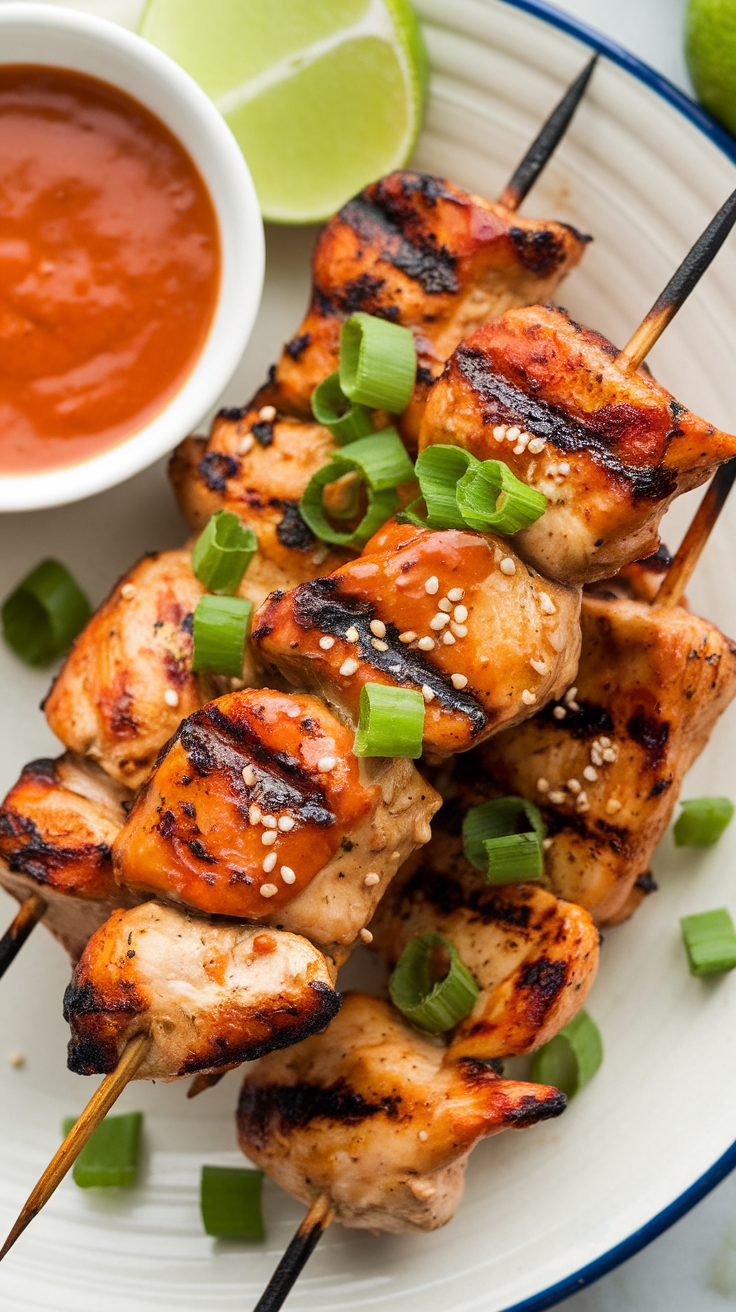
x: 555, y: 1206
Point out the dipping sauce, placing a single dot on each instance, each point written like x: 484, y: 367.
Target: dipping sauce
x: 109, y: 266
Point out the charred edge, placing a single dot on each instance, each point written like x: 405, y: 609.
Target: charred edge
x: 646, y: 883
x: 289, y: 1025
x: 286, y: 1108
x: 233, y: 413
x: 545, y: 981
x: 44, y: 768
x: 540, y: 251
x: 263, y: 432
x: 214, y: 743
x: 92, y: 1053
x: 392, y: 221
x: 216, y: 468
x: 650, y: 734
x: 297, y: 346
x: 599, y: 834
x: 317, y: 605
x: 504, y: 402
x: 659, y: 562
x: 292, y: 531
x: 27, y: 852
x: 449, y: 895
x: 588, y: 722
x: 530, y: 1110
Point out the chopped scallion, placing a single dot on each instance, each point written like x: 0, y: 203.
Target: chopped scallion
x: 378, y: 362
x: 110, y: 1158
x: 439, y: 470
x: 710, y: 942
x: 221, y: 628
x: 45, y: 613
x: 430, y: 1004
x: 383, y: 464
x: 223, y: 551
x: 702, y: 821
x: 493, y: 500
x: 571, y: 1058
x: 230, y: 1202
x: 504, y: 838
x: 332, y: 409
x: 391, y: 721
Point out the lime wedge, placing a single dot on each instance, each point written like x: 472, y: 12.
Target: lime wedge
x: 710, y: 51
x: 323, y: 96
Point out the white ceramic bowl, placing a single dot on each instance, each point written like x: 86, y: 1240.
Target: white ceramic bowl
x: 40, y: 34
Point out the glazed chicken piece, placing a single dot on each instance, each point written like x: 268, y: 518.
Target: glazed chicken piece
x: 57, y: 826
x: 533, y: 957
x: 454, y: 614
x: 608, y: 447
x: 260, y: 809
x: 606, y: 764
x: 127, y: 681
x: 209, y: 994
x: 379, y: 1118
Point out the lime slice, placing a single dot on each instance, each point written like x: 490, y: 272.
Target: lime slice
x: 710, y: 50
x: 323, y: 96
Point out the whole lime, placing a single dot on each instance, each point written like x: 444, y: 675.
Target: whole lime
x: 710, y: 51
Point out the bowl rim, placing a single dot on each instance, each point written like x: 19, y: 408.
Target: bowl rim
x: 225, y: 172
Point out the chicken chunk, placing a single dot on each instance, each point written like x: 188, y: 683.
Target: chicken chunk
x: 533, y: 957
x: 375, y: 1116
x: 208, y: 994
x: 57, y: 826
x: 260, y: 809
x: 607, y: 446
x: 455, y: 614
x: 607, y: 762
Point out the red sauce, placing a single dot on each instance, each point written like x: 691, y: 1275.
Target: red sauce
x: 109, y: 266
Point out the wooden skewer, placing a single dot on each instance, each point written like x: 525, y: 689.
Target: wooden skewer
x: 679, y: 573
x: 202, y: 1082
x: 546, y: 141
x: 296, y: 1256
x: 94, y: 1113
x: 17, y: 932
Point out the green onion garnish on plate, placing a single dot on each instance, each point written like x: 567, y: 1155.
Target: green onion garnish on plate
x: 710, y: 942
x: 702, y: 821
x: 45, y: 613
x: 332, y: 409
x: 571, y: 1058
x: 230, y: 1202
x: 378, y: 363
x: 221, y: 628
x: 110, y: 1158
x: 223, y: 551
x: 504, y: 838
x: 381, y: 462
x: 429, y: 1003
x: 391, y: 721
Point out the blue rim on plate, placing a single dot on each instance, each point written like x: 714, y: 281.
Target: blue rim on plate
x: 727, y: 1163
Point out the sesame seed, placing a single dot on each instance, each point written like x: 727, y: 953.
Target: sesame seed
x: 573, y: 706
x: 128, y: 590
x: 268, y: 837
x: 574, y: 785
x: 570, y: 695
x: 439, y: 621
x: 564, y: 468
x: 499, y: 432
x: 268, y: 890
x: 269, y: 862
x: 372, y: 879
x: 456, y: 594
x: 320, y: 554
x: 326, y: 763
x: 539, y: 667
x: 528, y: 697
x: 326, y: 642
x: 349, y: 666
x: 460, y: 630
x: 612, y: 806
x: 546, y: 604
x: 249, y: 776
x: 590, y: 773
x: 551, y: 471
x: 557, y: 797
x: 542, y: 785
x: 366, y: 936
x: 286, y: 822
x: 610, y: 754
x: 267, y: 413
x: 171, y: 697
x: 378, y: 627
x: 287, y: 874
x: 582, y: 803
x: 379, y: 645
x: 427, y: 693
x: 513, y: 434
x: 16, y: 1060
x: 352, y: 634
x: 448, y: 639
x: 508, y: 566
x: 293, y: 712
x: 519, y: 448
x: 245, y: 444
x: 546, y: 844
x: 426, y: 644
x: 423, y: 1135
x: 596, y: 756
x: 445, y: 604
x: 432, y: 585
x: 604, y: 742
x: 458, y: 681
x: 254, y: 815
x: 269, y: 821
x: 407, y: 636
x: 460, y: 614
x: 559, y: 712
x: 395, y: 856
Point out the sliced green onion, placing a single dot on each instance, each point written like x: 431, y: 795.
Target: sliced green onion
x: 702, y: 821
x: 230, y: 1202
x: 571, y: 1058
x: 110, y: 1158
x: 439, y: 470
x: 504, y: 838
x: 223, y: 551
x: 382, y: 459
x: 332, y: 409
x: 432, y: 1006
x: 378, y: 362
x: 391, y: 721
x: 710, y: 941
x: 221, y: 628
x: 492, y: 499
x: 45, y: 613
x: 383, y: 464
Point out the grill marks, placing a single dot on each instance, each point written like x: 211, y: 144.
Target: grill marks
x: 283, y: 1108
x: 390, y: 220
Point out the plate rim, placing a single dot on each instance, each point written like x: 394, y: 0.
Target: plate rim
x: 726, y: 1163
